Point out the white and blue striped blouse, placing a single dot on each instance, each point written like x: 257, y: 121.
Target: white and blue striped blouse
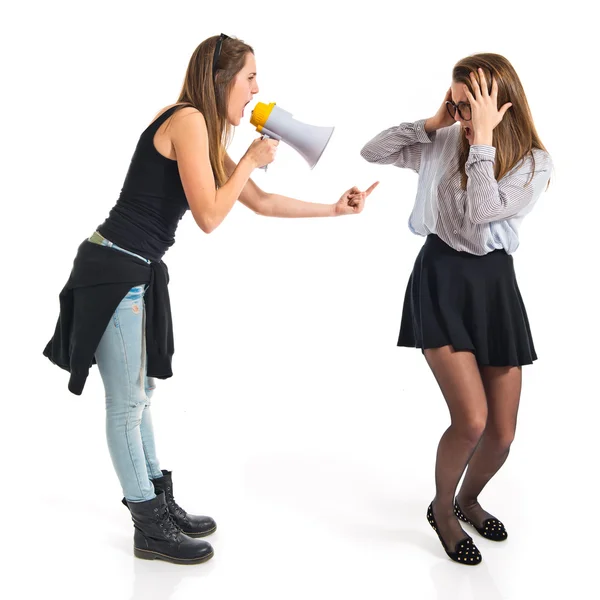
x: 484, y: 217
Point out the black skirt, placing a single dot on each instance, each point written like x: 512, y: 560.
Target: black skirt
x: 470, y: 302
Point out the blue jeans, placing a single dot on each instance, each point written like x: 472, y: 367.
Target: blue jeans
x: 121, y: 359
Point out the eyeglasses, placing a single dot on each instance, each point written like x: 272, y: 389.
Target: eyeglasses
x: 217, y: 53
x: 463, y: 108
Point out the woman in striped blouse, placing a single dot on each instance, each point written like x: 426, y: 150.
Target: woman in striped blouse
x: 481, y: 169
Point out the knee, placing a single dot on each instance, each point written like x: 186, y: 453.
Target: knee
x: 500, y: 438
x: 472, y: 427
x: 150, y: 387
x: 124, y: 402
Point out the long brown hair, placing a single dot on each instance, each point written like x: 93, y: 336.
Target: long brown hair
x: 515, y: 136
x: 209, y: 95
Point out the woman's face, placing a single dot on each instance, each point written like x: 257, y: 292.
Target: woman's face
x: 243, y: 89
x: 460, y: 97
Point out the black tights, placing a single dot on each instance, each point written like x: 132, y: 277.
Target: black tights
x: 483, y: 404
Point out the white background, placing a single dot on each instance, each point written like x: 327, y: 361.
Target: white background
x: 292, y: 417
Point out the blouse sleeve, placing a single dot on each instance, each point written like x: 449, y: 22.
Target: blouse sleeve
x: 400, y: 145
x: 489, y: 200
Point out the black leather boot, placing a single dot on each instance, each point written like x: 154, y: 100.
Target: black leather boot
x: 192, y: 525
x: 158, y: 537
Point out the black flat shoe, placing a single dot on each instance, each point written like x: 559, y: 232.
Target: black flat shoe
x: 492, y: 529
x: 465, y: 551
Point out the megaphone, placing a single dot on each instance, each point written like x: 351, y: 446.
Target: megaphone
x: 309, y: 141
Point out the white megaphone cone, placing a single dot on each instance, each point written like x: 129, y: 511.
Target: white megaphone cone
x: 309, y: 141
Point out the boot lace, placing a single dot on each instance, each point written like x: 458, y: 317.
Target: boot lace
x: 173, y: 506
x: 165, y: 521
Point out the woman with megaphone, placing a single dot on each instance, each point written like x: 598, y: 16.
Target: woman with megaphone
x: 481, y: 169
x: 114, y: 309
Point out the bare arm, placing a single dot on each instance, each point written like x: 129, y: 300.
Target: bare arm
x: 276, y: 205
x: 208, y: 205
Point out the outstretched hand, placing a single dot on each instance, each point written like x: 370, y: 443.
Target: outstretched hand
x: 353, y: 201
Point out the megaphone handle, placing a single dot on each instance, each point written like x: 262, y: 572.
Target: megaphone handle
x: 264, y: 136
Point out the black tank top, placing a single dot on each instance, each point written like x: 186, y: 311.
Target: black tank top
x: 152, y: 200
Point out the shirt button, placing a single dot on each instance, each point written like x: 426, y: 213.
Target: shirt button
x: 455, y: 232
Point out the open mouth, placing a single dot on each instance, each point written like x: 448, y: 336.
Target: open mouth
x: 468, y: 131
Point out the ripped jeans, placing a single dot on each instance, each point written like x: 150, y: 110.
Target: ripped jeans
x: 121, y: 359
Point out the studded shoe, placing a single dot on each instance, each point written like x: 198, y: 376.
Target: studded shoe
x: 491, y: 529
x: 465, y: 551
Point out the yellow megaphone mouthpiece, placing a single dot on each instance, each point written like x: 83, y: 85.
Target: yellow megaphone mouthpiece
x: 260, y: 114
